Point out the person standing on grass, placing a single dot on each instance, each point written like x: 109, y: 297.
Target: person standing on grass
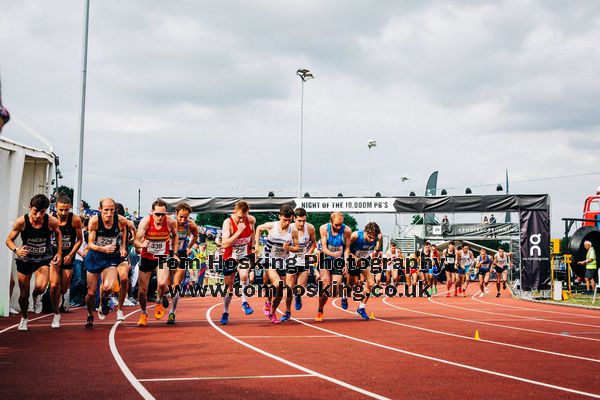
x: 590, y: 266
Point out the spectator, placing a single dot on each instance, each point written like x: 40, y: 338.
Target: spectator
x: 202, y: 235
x: 590, y: 265
x: 445, y: 220
x: 492, y: 219
x: 485, y: 220
x: 127, y: 215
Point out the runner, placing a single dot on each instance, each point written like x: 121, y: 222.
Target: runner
x: 483, y: 266
x: 501, y: 265
x: 362, y: 245
x: 393, y: 256
x: 426, y: 264
x: 187, y: 232
x: 449, y: 259
x: 35, y: 255
x: 237, y: 243
x: 307, y: 240
x: 466, y: 261
x: 107, y: 245
x: 413, y: 263
x: 124, y: 266
x: 335, y: 242
x: 157, y: 238
x: 434, y: 270
x: 72, y: 237
x: 282, y: 238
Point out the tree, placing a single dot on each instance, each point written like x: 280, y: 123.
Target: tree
x: 70, y: 192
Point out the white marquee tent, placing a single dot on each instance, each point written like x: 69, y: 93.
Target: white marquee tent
x: 24, y: 172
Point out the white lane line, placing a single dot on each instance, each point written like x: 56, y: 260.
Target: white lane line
x: 124, y: 368
x: 31, y: 320
x: 456, y: 364
x: 217, y: 378
x: 529, y: 318
x: 287, y: 336
x: 290, y: 363
x: 577, y: 315
x: 471, y: 338
x: 507, y: 326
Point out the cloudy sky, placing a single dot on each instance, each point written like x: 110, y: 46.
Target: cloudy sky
x: 201, y: 98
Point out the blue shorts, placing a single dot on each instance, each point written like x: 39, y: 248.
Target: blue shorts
x: 96, y: 262
x: 433, y: 271
x: 483, y: 271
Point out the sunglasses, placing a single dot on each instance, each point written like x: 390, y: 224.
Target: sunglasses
x: 159, y: 214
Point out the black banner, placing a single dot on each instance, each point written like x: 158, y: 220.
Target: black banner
x: 535, y: 250
x: 491, y: 231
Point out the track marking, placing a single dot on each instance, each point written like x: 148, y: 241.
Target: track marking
x: 441, y: 360
x: 525, y: 317
x: 470, y: 338
x: 546, y: 311
x: 506, y: 326
x: 287, y: 362
x: 126, y: 371
x: 31, y: 320
x: 287, y: 337
x: 216, y: 378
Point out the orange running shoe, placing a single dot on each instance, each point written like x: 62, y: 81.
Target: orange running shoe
x: 460, y: 289
x: 319, y: 317
x: 159, y: 311
x: 143, y: 321
x: 448, y: 294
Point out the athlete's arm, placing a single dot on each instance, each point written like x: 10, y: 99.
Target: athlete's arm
x: 378, y: 245
x: 194, y: 230
x: 173, y: 229
x: 313, y: 238
x: 353, y: 238
x: 323, y: 233
x: 123, y: 229
x: 296, y: 246
x: 54, y: 227
x: 259, y: 229
x: 347, y: 236
x: 252, y: 221
x: 92, y: 228
x: 227, y: 239
x: 76, y: 224
x: 16, y: 230
x: 140, y: 241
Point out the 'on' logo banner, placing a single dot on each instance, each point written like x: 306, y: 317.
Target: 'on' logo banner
x: 535, y: 249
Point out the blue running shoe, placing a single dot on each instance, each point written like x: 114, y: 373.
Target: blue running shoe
x: 286, y: 316
x: 224, y: 319
x: 247, y: 309
x: 298, y: 303
x: 362, y: 313
x: 344, y: 303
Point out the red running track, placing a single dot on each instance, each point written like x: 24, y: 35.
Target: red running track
x: 413, y: 348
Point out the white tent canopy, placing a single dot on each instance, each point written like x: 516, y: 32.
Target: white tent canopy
x: 24, y: 172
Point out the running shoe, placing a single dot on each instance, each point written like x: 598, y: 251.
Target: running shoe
x: 89, y: 323
x: 319, y: 317
x: 165, y: 302
x: 455, y: 293
x: 267, y: 309
x: 286, y: 316
x: 159, y: 311
x: 481, y: 294
x: 12, y: 311
x: 448, y: 294
x: 363, y: 313
x: 37, y: 304
x: 143, y: 321
x: 171, y: 319
x: 55, y: 321
x: 298, y: 303
x: 103, y: 310
x: 464, y: 294
x: 503, y: 285
x: 224, y: 319
x: 486, y: 289
x: 498, y: 294
x: 23, y: 324
x: 344, y: 303
x: 435, y: 290
x: 120, y: 316
x: 274, y: 319
x: 246, y: 307
x: 460, y: 289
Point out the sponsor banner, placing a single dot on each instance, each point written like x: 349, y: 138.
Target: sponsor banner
x: 535, y: 250
x: 357, y: 204
x: 472, y: 230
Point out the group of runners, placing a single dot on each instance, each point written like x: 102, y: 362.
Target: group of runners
x: 346, y: 261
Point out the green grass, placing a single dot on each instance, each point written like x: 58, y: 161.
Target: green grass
x: 580, y: 299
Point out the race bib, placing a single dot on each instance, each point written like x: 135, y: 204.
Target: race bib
x: 35, y: 250
x: 66, y: 242
x: 450, y: 260
x: 335, y: 248
x: 157, y: 247
x: 278, y: 252
x: 240, y: 251
x: 106, y: 241
x: 362, y: 253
